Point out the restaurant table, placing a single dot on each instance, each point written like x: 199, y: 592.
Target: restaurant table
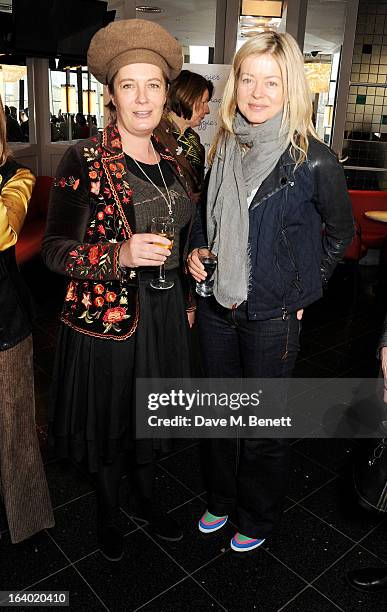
x: 377, y: 215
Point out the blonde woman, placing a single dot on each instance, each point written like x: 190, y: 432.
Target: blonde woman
x: 273, y: 188
x: 23, y: 485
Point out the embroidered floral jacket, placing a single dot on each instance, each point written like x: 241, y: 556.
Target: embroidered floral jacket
x: 90, y: 215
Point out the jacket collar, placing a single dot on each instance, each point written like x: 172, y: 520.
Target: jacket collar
x: 280, y: 176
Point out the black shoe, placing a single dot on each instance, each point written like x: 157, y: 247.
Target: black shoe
x: 370, y: 579
x: 161, y: 524
x: 111, y: 542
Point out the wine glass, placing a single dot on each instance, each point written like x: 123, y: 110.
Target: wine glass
x: 163, y: 226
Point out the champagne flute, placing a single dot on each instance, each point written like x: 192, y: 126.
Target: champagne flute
x: 163, y: 226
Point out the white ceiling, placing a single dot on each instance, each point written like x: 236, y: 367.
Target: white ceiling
x: 193, y: 21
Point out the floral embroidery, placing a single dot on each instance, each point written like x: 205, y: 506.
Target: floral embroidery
x: 86, y: 301
x: 110, y: 296
x: 95, y: 187
x: 113, y: 316
x: 71, y: 181
x: 86, y: 260
x: 71, y: 296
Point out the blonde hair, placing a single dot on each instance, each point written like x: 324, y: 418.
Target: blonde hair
x: 4, y: 151
x: 297, y: 113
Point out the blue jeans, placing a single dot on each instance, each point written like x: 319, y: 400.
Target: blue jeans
x: 248, y: 477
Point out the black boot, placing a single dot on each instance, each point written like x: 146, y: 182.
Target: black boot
x: 110, y: 540
x: 370, y: 579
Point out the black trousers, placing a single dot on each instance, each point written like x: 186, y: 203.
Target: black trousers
x: 249, y: 476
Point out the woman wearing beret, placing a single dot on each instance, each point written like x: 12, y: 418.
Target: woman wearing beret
x: 115, y: 327
x: 23, y: 483
x: 273, y: 188
x: 187, y: 105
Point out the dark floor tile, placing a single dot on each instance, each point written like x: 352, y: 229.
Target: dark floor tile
x: 166, y: 491
x: 333, y: 453
x: 305, y: 544
x: 335, y: 361
x: 307, y: 369
x: 75, y: 528
x: 335, y: 503
x: 81, y: 597
x: 305, y: 476
x: 66, y: 482
x: 309, y: 409
x: 334, y: 334
x: 25, y: 563
x: 253, y: 581
x: 179, y: 444
x: 186, y: 596
x: 335, y: 586
x: 309, y: 600
x: 144, y: 572
x: 196, y: 548
x: 308, y: 348
x: 296, y: 387
x: 358, y: 347
x: 186, y: 467
x: 376, y: 542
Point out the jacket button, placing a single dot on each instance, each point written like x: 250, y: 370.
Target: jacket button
x: 284, y: 180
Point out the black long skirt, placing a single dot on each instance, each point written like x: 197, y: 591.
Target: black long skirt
x: 92, y: 410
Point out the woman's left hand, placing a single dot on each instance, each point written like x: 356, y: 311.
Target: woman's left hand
x: 191, y: 318
x: 299, y: 314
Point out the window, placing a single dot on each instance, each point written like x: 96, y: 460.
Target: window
x: 14, y: 94
x: 76, y: 104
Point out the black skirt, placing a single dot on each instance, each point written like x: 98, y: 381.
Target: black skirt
x: 92, y: 409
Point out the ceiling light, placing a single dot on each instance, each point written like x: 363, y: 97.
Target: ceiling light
x: 149, y: 9
x: 262, y: 8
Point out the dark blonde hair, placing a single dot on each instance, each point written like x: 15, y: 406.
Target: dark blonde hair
x: 297, y: 112
x: 4, y: 151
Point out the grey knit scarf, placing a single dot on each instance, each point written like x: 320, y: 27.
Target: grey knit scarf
x: 233, y: 177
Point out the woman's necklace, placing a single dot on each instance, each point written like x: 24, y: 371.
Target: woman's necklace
x: 167, y: 201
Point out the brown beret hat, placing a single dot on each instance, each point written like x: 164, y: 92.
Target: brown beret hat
x: 133, y: 41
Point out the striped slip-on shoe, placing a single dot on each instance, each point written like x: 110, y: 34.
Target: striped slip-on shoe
x: 209, y: 522
x: 241, y: 543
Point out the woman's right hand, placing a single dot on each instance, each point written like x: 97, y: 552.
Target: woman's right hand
x: 144, y: 250
x: 195, y: 266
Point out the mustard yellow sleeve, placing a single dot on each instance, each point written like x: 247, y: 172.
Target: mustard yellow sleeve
x: 14, y: 199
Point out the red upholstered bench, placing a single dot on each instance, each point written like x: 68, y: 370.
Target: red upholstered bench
x: 372, y: 232
x: 30, y: 239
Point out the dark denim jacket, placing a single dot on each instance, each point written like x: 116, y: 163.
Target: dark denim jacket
x: 300, y: 225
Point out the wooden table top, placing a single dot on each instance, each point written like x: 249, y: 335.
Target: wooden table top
x: 377, y: 215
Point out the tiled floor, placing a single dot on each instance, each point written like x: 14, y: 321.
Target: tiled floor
x: 302, y: 567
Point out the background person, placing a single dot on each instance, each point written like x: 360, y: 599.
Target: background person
x: 114, y: 326
x: 23, y: 483
x: 273, y: 187
x: 187, y: 106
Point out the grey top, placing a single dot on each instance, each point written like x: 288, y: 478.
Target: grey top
x: 148, y: 202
